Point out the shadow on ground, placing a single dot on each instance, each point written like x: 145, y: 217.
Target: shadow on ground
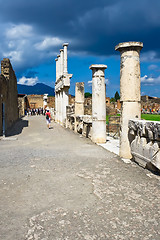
x: 17, y: 128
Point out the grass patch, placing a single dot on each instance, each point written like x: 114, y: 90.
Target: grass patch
x: 151, y: 117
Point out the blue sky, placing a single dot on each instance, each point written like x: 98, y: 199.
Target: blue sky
x: 32, y: 32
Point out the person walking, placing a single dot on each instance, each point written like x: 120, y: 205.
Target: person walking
x: 48, y: 118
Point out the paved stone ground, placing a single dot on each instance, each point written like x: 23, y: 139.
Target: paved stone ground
x: 56, y: 185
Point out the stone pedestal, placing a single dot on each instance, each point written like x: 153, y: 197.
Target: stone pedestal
x: 98, y: 103
x: 129, y: 90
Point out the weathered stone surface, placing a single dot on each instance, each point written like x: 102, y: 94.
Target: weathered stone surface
x: 129, y: 90
x: 79, y: 104
x: 145, y: 142
x: 98, y: 103
x: 8, y: 94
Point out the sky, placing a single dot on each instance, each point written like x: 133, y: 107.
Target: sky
x: 32, y: 32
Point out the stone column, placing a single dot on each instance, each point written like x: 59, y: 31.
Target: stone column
x: 65, y: 45
x: 65, y: 104
x: 58, y: 67
x: 129, y: 90
x: 62, y: 61
x: 79, y: 98
x: 98, y: 103
x: 56, y: 105
x: 79, y: 101
x: 45, y: 98
x: 60, y: 107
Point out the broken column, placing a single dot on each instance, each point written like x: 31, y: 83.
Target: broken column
x: 98, y: 103
x: 79, y: 101
x: 129, y: 90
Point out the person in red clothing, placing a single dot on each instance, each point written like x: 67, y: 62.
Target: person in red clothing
x: 48, y: 118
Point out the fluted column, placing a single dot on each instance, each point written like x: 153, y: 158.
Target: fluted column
x: 129, y: 90
x: 98, y: 103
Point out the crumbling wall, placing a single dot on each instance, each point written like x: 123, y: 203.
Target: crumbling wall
x: 8, y: 94
x: 144, y: 139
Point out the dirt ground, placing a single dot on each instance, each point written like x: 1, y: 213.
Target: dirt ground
x: 58, y: 185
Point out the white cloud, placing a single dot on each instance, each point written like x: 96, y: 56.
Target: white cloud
x: 48, y: 42
x: 19, y: 31
x: 152, y: 67
x: 28, y: 81
x: 149, y: 56
x: 150, y: 80
x: 15, y: 56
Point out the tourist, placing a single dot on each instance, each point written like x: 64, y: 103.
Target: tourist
x: 48, y: 118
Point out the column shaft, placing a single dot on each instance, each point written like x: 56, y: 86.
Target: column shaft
x: 65, y: 104
x: 98, y: 103
x: 129, y: 90
x: 65, y: 45
x: 62, y: 61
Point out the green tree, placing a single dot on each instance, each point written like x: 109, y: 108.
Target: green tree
x: 112, y: 99
x: 116, y: 96
x: 87, y: 95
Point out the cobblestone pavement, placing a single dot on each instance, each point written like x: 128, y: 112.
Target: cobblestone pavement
x: 56, y: 185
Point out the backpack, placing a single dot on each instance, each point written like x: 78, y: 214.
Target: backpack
x: 47, y: 116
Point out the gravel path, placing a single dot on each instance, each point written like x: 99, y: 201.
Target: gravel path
x: 56, y: 185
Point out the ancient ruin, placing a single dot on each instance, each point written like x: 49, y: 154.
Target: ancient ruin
x: 8, y: 96
x: 98, y: 103
x: 62, y: 86
x: 129, y: 90
x: 145, y: 142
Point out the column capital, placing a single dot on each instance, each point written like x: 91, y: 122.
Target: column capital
x: 65, y: 44
x: 128, y: 46
x: 58, y: 56
x: 56, y: 59
x: 61, y: 50
x: 98, y: 66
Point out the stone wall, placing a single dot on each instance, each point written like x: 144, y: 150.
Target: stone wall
x: 113, y: 125
x: 51, y: 102
x: 35, y: 101
x: 22, y: 104
x: 8, y: 94
x: 145, y: 143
